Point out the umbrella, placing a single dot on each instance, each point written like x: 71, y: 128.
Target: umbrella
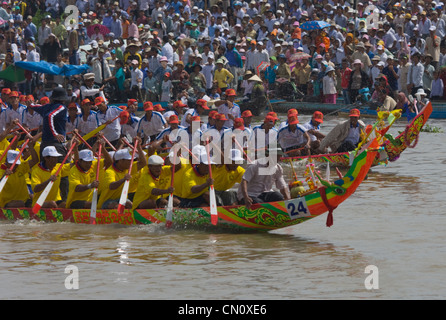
x: 13, y: 74
x: 262, y: 66
x: 314, y: 25
x: 299, y: 56
x: 102, y: 30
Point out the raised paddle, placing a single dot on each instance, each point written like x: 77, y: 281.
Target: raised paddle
x: 212, y: 198
x: 169, y: 213
x: 5, y: 177
x: 48, y: 187
x: 125, y: 188
x: 94, y: 200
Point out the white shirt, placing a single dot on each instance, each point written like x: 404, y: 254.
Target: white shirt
x: 259, y: 183
x: 112, y: 131
x: 234, y: 111
x: 153, y: 126
x: 288, y: 138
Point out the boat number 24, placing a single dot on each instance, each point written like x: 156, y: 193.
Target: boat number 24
x: 297, y: 208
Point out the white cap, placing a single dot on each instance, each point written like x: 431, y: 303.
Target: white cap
x: 50, y: 151
x: 12, y: 154
x: 155, y: 160
x: 86, y: 155
x: 122, y: 154
x: 236, y: 155
x: 204, y: 158
x: 197, y: 150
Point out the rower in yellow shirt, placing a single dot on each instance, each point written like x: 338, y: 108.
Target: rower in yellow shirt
x: 226, y: 176
x: 44, y: 172
x: 15, y: 193
x: 196, y: 183
x: 115, y: 176
x: 154, y: 185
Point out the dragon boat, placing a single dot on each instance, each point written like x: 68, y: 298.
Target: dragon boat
x: 392, y: 148
x: 325, y: 197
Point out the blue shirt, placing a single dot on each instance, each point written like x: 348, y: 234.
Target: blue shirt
x: 54, y: 120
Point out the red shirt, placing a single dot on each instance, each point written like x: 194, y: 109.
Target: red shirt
x: 345, y: 78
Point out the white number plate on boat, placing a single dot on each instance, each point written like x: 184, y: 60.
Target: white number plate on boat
x: 297, y: 208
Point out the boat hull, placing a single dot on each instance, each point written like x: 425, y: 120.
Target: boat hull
x: 260, y: 217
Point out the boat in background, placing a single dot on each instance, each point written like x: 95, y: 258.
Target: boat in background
x: 260, y: 217
x: 392, y: 147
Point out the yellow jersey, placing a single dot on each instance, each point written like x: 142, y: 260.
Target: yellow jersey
x: 192, y: 178
x: 40, y: 174
x: 111, y: 175
x: 76, y: 177
x: 225, y: 179
x: 179, y: 175
x: 15, y: 188
x: 147, y: 182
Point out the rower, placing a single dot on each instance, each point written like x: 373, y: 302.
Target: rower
x: 88, y: 121
x: 132, y: 106
x: 293, y: 138
x: 170, y: 134
x: 257, y: 186
x: 193, y: 131
x: 313, y: 130
x: 154, y: 185
x: 226, y: 176
x: 116, y: 175
x: 73, y: 119
x: 151, y: 124
x: 264, y: 133
x: 196, y: 183
x: 198, y: 110
x: 15, y: 108
x: 177, y: 109
x: 129, y: 125
x: 44, y: 172
x: 289, y: 113
x: 82, y: 181
x: 229, y: 108
x: 15, y: 193
x: 345, y: 136
x: 247, y: 119
x: 106, y: 115
x: 31, y: 119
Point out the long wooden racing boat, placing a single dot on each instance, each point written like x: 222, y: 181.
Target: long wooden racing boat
x: 392, y: 148
x: 266, y: 216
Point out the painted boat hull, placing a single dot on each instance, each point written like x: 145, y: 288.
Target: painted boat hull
x: 260, y: 217
x: 393, y: 150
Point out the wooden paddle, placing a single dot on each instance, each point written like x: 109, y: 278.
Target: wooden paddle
x: 94, y: 200
x: 48, y: 187
x: 169, y: 213
x: 125, y: 188
x: 212, y: 198
x: 5, y: 177
x: 100, y: 128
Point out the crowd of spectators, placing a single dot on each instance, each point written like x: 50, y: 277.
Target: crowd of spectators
x: 184, y: 49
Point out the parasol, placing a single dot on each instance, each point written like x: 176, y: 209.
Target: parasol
x: 102, y: 30
x: 314, y: 25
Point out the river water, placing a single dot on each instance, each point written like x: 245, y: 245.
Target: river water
x: 395, y: 223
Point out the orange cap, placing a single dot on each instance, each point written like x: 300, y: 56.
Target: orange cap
x: 148, y: 106
x: 318, y: 116
x: 246, y: 114
x: 355, y: 113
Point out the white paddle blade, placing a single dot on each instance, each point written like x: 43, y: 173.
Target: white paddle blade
x: 124, y: 194
x: 169, y: 213
x: 43, y: 197
x: 94, y: 206
x: 213, y: 200
x: 3, y: 182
